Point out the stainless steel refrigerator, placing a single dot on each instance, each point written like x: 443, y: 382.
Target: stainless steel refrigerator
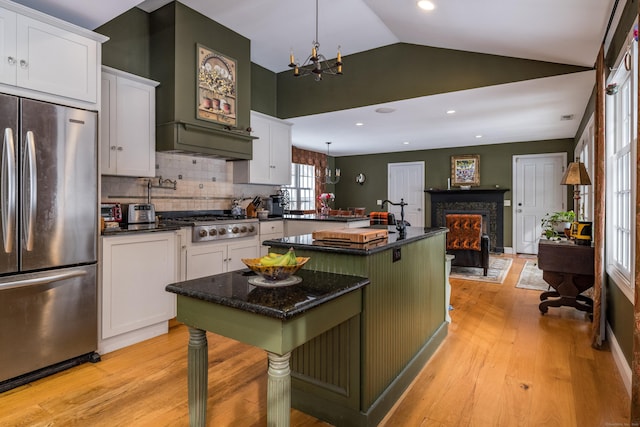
x: 48, y: 232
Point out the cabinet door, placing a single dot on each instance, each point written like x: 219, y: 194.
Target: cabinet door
x: 135, y: 128
x: 136, y: 270
x: 260, y: 166
x: 56, y: 61
x: 108, y: 141
x: 206, y: 260
x: 7, y: 47
x: 280, y: 153
x: 237, y: 251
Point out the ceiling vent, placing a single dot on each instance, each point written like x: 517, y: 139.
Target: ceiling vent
x: 566, y: 117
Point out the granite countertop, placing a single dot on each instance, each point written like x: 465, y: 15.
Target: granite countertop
x: 316, y: 217
x: 394, y: 239
x: 233, y: 290
x: 138, y: 228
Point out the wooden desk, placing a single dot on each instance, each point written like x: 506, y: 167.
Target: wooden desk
x: 568, y: 268
x: 277, y: 320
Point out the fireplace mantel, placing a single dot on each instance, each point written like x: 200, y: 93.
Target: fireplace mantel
x: 488, y: 202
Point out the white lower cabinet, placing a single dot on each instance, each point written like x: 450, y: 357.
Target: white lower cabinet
x: 270, y: 230
x: 209, y: 258
x: 136, y: 268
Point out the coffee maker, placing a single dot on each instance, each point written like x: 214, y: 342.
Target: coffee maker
x: 275, y: 205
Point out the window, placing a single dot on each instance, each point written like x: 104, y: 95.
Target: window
x: 302, y: 189
x: 621, y: 107
x: 585, y: 153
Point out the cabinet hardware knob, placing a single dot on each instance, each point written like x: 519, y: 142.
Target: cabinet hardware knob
x: 113, y: 148
x: 23, y: 63
x: 11, y: 60
x: 120, y: 148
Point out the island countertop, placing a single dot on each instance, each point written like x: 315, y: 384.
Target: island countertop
x: 234, y: 290
x: 394, y: 239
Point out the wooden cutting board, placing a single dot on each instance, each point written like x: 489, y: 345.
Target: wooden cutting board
x: 353, y: 235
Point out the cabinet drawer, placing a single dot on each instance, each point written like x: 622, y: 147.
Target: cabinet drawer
x: 271, y: 227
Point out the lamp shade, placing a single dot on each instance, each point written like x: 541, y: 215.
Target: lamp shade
x: 576, y: 174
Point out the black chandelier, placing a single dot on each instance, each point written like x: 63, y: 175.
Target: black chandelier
x: 316, y: 64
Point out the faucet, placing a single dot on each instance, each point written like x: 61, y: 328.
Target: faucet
x: 400, y: 226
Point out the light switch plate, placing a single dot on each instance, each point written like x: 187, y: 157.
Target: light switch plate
x: 507, y: 202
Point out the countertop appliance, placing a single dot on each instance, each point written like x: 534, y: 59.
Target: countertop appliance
x: 111, y: 212
x: 49, y: 222
x: 209, y: 226
x: 140, y: 213
x: 275, y: 205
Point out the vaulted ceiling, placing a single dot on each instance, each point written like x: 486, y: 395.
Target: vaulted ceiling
x: 568, y: 32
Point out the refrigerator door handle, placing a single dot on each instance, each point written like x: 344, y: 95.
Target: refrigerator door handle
x: 30, y: 179
x: 8, y: 180
x: 43, y: 280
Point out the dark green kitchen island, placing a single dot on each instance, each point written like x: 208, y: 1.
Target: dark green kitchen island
x: 274, y: 319
x: 354, y: 373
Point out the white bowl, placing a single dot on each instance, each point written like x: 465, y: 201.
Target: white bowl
x: 263, y: 214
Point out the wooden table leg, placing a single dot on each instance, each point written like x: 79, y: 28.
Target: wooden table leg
x: 278, y: 390
x: 197, y: 365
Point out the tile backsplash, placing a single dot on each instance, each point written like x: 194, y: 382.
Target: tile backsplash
x: 201, y: 183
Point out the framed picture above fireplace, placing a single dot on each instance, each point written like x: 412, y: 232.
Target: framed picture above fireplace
x: 465, y: 170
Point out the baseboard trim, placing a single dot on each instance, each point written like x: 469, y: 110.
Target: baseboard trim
x: 621, y: 362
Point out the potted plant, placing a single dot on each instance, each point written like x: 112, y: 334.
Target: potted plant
x: 553, y: 225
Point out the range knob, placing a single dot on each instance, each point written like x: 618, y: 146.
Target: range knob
x: 234, y: 230
x: 213, y: 232
x: 203, y: 233
x: 243, y: 229
x: 222, y: 231
x: 251, y: 228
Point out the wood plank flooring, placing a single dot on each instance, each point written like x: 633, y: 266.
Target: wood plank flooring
x: 502, y: 364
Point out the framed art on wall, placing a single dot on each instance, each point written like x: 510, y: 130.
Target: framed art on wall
x: 465, y: 170
x: 217, y: 84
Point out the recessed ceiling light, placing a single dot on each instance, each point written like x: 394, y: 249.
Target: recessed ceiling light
x: 426, y: 5
x: 451, y: 111
x: 406, y: 143
x: 385, y: 110
x: 478, y: 136
x: 359, y: 124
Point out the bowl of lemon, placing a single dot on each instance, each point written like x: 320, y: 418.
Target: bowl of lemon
x: 276, y: 269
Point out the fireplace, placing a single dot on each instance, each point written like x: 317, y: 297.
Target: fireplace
x: 486, y: 202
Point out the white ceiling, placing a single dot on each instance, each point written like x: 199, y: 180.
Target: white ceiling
x: 567, y: 31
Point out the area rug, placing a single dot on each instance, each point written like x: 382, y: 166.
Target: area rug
x: 498, y: 269
x: 531, y: 277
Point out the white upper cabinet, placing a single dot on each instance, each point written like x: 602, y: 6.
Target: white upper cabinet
x: 127, y: 124
x: 271, y: 162
x: 47, y: 58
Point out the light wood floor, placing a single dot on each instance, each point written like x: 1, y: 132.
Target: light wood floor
x: 502, y: 364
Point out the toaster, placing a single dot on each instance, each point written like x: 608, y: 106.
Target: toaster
x: 140, y: 213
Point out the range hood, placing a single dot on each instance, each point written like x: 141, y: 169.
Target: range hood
x: 198, y: 140
x: 176, y: 34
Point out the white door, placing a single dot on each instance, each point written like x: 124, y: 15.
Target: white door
x: 537, y: 192
x: 406, y: 181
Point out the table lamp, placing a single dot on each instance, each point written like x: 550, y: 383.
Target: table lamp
x: 576, y: 175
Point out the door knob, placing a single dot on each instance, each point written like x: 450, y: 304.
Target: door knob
x: 519, y: 210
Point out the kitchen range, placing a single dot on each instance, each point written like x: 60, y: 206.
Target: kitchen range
x: 219, y: 240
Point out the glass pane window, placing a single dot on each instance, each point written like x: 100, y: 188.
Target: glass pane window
x: 302, y: 188
x: 621, y: 143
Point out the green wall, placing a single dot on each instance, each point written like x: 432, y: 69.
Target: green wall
x: 128, y: 46
x: 404, y: 71
x: 495, y: 169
